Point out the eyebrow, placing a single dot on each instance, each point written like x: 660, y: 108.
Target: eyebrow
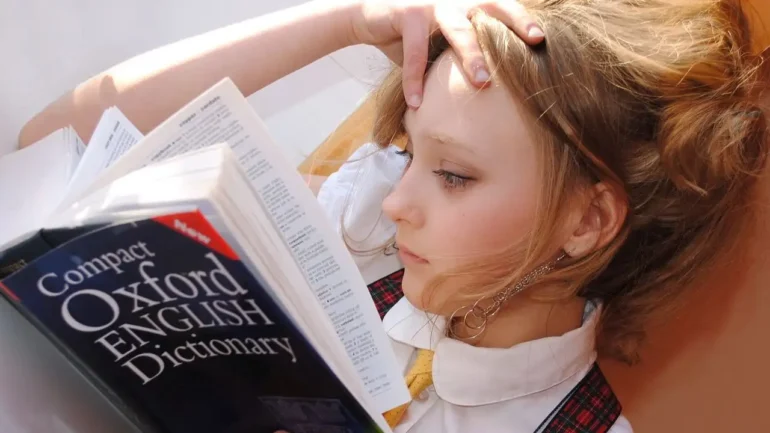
x: 443, y: 139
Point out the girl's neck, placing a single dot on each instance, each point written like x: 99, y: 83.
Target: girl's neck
x: 525, y: 320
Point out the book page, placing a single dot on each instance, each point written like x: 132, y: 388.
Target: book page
x: 78, y: 150
x: 114, y: 135
x: 77, y: 143
x: 222, y: 114
x: 33, y: 180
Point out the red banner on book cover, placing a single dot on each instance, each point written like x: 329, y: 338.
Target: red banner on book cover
x: 195, y: 226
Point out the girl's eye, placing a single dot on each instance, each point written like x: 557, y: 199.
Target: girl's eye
x: 451, y: 180
x: 407, y: 155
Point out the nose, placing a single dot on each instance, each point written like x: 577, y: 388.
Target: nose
x: 401, y: 205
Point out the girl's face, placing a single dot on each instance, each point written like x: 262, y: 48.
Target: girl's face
x: 472, y: 186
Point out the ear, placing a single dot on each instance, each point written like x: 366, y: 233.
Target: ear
x: 602, y: 217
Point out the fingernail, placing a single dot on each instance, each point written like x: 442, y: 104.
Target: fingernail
x: 535, y: 32
x: 414, y: 100
x: 482, y: 76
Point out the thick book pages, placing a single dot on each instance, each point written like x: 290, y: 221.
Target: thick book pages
x: 223, y: 115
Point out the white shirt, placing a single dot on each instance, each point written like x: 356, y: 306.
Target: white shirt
x: 476, y: 389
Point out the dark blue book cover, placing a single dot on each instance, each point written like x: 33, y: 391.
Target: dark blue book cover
x: 34, y: 245
x: 163, y: 316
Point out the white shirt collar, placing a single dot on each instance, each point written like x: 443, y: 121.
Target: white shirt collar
x: 406, y: 324
x: 469, y: 376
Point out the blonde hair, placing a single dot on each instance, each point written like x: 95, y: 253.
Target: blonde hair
x: 656, y: 98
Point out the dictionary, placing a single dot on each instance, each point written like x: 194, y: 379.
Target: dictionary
x: 192, y: 277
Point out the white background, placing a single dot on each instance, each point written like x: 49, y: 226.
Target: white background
x: 49, y: 46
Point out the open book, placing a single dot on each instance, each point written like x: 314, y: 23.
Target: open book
x: 192, y: 276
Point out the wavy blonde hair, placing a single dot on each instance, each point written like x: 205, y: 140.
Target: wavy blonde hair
x: 656, y: 98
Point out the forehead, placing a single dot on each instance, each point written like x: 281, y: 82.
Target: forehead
x: 485, y: 119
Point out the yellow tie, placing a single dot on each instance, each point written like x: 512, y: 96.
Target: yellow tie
x: 419, y: 378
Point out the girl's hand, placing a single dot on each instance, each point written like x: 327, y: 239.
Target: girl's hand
x: 401, y: 28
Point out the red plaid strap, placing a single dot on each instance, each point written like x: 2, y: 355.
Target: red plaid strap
x: 591, y: 407
x: 387, y: 291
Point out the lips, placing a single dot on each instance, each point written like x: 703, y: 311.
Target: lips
x: 408, y: 256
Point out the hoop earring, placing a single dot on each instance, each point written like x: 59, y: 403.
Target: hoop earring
x: 391, y: 248
x: 475, y: 317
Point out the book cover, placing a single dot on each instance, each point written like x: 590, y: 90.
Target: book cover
x: 162, y: 314
x: 34, y: 245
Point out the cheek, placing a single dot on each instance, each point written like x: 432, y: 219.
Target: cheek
x: 442, y: 299
x: 460, y: 233
x: 491, y: 221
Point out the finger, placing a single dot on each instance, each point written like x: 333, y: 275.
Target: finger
x: 461, y: 35
x: 515, y: 16
x: 415, y: 33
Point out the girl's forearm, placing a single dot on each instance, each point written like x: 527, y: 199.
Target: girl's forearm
x: 150, y: 87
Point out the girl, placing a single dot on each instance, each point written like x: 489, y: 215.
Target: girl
x: 538, y: 221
